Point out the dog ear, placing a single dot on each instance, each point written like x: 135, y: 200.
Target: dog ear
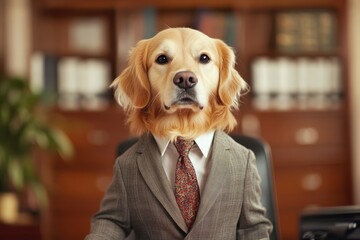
x: 231, y: 83
x: 132, y: 88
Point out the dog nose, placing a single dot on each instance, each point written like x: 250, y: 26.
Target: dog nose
x: 185, y: 79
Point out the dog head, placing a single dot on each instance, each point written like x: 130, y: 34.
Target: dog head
x: 180, y: 83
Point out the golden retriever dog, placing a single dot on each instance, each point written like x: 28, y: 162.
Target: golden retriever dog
x: 180, y: 83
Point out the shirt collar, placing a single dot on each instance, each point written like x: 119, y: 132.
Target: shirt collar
x: 203, y: 141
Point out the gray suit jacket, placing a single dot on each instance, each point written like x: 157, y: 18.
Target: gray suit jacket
x: 141, y: 200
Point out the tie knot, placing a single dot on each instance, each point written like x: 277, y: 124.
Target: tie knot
x: 183, y: 146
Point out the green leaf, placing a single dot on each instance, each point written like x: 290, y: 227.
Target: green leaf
x: 63, y: 145
x: 40, y: 137
x: 16, y: 174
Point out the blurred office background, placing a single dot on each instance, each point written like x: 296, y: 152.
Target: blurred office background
x: 301, y: 59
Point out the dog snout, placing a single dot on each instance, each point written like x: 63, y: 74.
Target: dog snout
x: 185, y: 80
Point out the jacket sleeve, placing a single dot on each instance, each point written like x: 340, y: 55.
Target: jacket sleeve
x: 112, y: 222
x: 253, y: 225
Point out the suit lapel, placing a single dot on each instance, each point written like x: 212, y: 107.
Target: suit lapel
x: 220, y: 158
x: 151, y: 169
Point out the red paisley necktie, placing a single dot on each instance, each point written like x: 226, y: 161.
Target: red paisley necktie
x: 186, y: 186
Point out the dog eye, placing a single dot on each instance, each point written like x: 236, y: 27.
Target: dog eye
x: 162, y: 59
x: 204, y: 58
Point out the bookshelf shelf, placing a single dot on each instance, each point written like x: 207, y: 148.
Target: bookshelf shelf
x: 81, y: 55
x: 242, y: 5
x: 277, y: 54
x: 310, y: 112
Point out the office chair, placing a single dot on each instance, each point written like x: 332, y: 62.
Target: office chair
x: 263, y: 162
x: 330, y: 223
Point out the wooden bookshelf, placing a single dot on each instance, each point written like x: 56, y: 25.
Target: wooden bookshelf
x: 310, y: 147
x: 242, y: 5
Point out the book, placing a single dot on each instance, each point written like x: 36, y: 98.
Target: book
x: 50, y: 73
x: 43, y: 73
x: 37, y: 72
x: 68, y: 84
x: 262, y: 71
x: 305, y: 83
x: 287, y: 31
x: 285, y: 84
x: 132, y: 27
x: 88, y: 35
x: 217, y: 24
x: 94, y: 80
x: 305, y: 31
x: 327, y: 31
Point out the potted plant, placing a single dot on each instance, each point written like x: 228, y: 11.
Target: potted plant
x: 24, y: 126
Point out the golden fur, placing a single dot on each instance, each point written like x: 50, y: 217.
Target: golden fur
x: 149, y: 96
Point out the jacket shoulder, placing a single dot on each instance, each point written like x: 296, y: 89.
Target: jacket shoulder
x: 130, y: 155
x: 235, y: 146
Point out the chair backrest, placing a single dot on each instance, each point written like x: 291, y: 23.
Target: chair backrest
x: 125, y: 145
x: 264, y: 165
x: 263, y: 161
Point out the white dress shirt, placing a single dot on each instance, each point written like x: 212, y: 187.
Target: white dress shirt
x: 199, y: 155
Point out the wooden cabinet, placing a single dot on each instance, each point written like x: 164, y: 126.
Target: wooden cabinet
x: 78, y: 185
x: 310, y: 146
x: 311, y: 161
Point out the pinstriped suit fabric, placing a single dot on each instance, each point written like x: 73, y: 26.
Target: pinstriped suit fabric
x: 140, y: 198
